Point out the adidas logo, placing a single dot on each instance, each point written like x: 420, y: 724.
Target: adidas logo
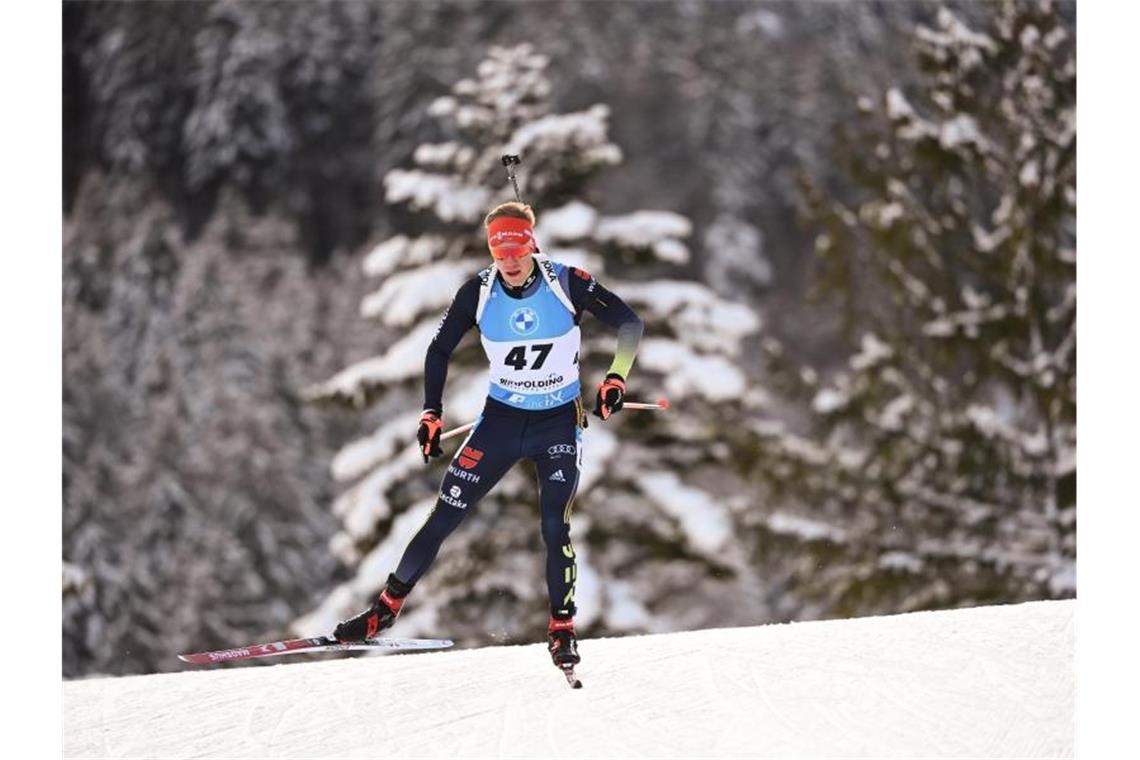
x: 559, y: 477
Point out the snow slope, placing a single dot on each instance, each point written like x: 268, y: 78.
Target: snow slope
x: 988, y: 681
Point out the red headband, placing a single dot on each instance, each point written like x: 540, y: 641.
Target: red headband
x: 510, y: 236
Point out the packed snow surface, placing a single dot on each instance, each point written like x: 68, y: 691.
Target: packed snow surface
x: 982, y: 682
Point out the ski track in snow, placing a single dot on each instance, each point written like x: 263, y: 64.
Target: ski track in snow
x: 989, y: 681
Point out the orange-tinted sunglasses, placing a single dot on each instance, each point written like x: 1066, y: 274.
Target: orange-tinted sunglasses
x: 498, y: 254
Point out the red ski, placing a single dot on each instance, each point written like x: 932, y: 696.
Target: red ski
x: 317, y: 644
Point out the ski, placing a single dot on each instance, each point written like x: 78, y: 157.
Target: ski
x: 568, y: 671
x: 316, y: 644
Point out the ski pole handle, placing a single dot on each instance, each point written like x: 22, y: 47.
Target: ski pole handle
x: 511, y: 161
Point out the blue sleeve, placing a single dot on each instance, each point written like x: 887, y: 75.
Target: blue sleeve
x: 457, y: 320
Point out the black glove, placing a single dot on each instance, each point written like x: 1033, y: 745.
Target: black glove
x: 611, y: 396
x: 431, y: 428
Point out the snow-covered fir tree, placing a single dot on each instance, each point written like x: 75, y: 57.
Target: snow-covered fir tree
x: 940, y: 469
x: 653, y: 545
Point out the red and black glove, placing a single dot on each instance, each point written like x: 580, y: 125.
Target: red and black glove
x: 611, y: 396
x: 431, y: 428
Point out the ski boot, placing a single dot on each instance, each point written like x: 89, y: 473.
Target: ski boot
x: 564, y: 648
x: 380, y: 616
x: 563, y: 642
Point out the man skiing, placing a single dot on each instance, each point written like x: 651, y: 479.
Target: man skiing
x: 527, y: 309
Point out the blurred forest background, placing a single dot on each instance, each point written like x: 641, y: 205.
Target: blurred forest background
x: 850, y: 228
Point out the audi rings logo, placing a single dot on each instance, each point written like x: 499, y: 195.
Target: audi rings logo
x: 524, y: 321
x: 562, y: 448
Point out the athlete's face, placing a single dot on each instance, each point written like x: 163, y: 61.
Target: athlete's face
x: 515, y: 269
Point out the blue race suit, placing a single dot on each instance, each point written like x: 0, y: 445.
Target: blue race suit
x: 533, y: 409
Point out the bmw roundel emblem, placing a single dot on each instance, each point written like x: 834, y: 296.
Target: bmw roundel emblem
x: 524, y: 321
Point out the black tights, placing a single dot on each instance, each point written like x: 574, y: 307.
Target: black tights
x: 501, y: 437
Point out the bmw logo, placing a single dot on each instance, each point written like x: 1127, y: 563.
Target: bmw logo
x: 524, y: 321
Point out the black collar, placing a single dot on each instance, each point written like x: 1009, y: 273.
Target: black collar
x: 517, y: 292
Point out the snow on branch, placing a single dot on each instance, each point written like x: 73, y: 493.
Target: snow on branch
x: 954, y: 40
x: 699, y: 316
x: 703, y: 521
x: 365, y: 504
x: 831, y: 400
x: 403, y: 361
x: 968, y: 323
x: 804, y: 528
x: 573, y: 221
x: 75, y: 578
x: 599, y: 452
x: 872, y: 352
x: 371, y: 574
x: 401, y: 251
x: 358, y: 457
x: 989, y: 425
x: 958, y: 130
x: 447, y: 196
x: 584, y: 133
x: 656, y: 231
x: 443, y: 156
x: 688, y: 373
x: 406, y: 295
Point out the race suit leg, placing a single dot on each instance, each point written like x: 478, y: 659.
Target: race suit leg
x: 554, y: 444
x: 491, y: 448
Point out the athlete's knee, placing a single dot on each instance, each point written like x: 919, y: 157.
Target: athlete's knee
x: 557, y: 500
x: 555, y: 531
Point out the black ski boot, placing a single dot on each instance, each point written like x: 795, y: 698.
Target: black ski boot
x: 380, y: 616
x: 563, y: 642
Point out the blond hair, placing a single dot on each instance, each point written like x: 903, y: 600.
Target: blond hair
x: 511, y: 208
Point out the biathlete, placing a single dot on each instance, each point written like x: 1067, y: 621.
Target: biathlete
x: 527, y: 309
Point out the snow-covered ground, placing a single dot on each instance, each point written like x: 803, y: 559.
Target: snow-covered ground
x: 983, y: 682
